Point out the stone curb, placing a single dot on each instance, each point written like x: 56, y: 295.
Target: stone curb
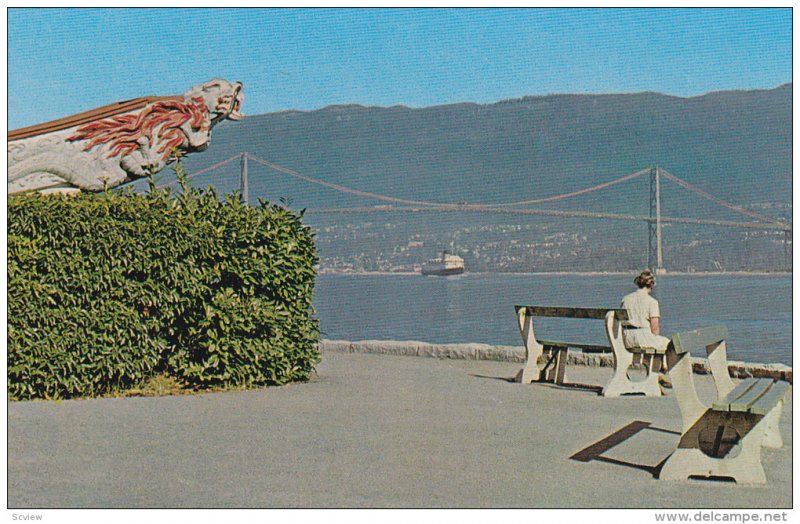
x: 415, y: 348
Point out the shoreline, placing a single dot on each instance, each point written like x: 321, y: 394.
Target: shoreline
x: 414, y: 348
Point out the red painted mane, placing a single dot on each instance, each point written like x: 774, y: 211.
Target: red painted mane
x: 162, y: 119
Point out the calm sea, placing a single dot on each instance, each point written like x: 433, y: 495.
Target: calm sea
x: 479, y: 308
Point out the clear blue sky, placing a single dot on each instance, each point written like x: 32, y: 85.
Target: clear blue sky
x: 64, y: 61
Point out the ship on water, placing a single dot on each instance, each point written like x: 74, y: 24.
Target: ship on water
x: 443, y: 266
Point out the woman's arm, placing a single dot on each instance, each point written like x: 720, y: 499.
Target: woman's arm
x: 655, y: 326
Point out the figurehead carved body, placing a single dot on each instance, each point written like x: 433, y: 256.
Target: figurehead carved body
x: 103, y: 149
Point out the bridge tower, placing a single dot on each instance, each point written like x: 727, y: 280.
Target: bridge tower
x: 787, y: 249
x: 243, y: 182
x: 654, y: 256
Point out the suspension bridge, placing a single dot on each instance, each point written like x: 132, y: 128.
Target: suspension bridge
x: 655, y: 219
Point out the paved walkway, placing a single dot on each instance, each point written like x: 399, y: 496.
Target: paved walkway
x: 370, y: 431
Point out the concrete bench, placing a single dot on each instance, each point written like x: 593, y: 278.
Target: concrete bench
x: 648, y: 359
x: 725, y: 438
x: 553, y: 367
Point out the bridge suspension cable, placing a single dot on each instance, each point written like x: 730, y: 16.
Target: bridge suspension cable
x: 202, y: 171
x: 344, y: 189
x: 567, y: 195
x: 385, y: 198
x: 719, y: 201
x: 433, y: 206
x: 554, y: 198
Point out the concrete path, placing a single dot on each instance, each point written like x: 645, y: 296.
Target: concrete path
x: 370, y: 431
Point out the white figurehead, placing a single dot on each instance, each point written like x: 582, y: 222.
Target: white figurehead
x: 102, y: 149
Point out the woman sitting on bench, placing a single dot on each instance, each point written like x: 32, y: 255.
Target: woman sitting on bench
x: 643, y: 325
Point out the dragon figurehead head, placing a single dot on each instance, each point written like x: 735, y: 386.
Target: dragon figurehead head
x: 222, y: 98
x: 145, y: 140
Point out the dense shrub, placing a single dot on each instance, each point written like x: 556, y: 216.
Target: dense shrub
x: 106, y: 290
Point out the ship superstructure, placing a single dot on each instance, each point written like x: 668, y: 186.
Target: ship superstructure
x: 444, y: 265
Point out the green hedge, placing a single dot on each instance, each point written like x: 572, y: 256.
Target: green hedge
x: 107, y: 290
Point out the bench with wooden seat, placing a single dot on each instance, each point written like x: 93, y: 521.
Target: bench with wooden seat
x: 552, y: 367
x: 724, y: 439
x: 648, y: 359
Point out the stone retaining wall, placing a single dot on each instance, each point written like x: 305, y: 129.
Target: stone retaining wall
x: 517, y: 354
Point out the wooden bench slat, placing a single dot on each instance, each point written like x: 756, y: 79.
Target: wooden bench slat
x: 744, y: 402
x: 756, y: 395
x: 572, y: 312
x: 648, y: 351
x: 586, y: 347
x: 770, y: 399
x: 688, y: 341
x: 740, y: 389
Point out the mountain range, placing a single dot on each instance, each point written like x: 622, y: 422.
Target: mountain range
x: 736, y: 145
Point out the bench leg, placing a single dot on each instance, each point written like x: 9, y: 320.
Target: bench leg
x: 620, y: 384
x: 527, y: 374
x: 533, y: 350
x: 680, y: 372
x: 772, y: 437
x: 745, y: 468
x: 561, y: 366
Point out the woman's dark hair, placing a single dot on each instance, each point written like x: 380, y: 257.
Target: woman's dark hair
x: 645, y: 279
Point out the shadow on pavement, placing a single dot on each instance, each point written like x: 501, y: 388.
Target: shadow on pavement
x: 563, y: 385
x: 596, y: 450
x: 577, y: 385
x: 504, y: 379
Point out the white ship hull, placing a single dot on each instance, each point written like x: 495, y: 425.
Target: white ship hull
x: 442, y: 272
x: 444, y: 266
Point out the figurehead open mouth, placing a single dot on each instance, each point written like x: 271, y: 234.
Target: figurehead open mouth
x: 236, y: 103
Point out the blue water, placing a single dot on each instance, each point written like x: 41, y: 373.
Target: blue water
x: 479, y: 308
